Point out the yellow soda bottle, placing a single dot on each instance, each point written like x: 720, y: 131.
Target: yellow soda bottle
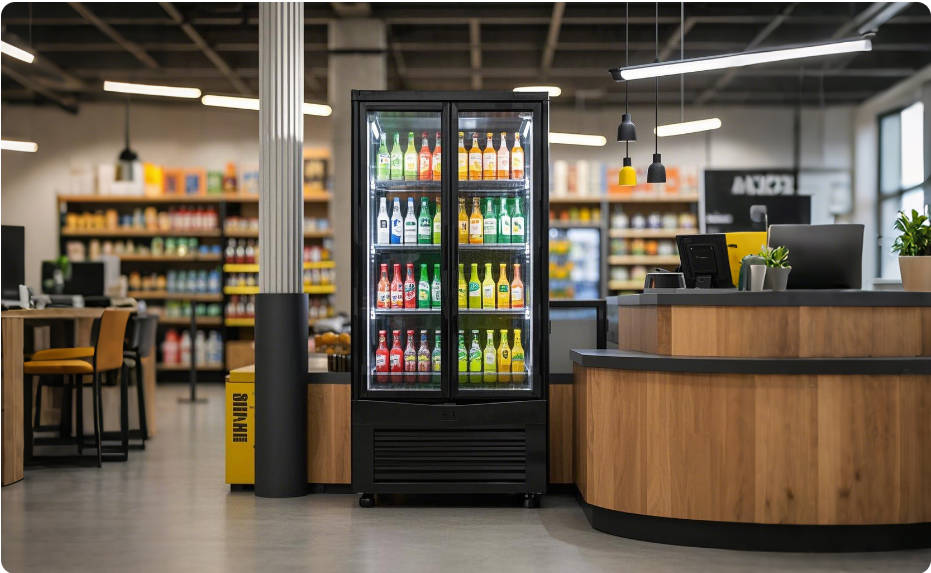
x: 475, y: 288
x: 489, y: 159
x: 490, y: 371
x: 463, y: 223
x: 518, y: 373
x: 475, y: 160
x: 504, y: 287
x: 463, y: 160
x: 488, y: 289
x: 504, y: 358
x: 476, y: 224
x: 463, y: 289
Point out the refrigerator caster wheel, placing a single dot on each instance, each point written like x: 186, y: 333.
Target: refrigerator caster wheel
x: 531, y: 500
x: 367, y: 500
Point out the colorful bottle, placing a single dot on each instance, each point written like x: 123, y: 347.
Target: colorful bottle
x: 383, y: 299
x: 381, y: 359
x: 437, y: 160
x: 463, y: 223
x: 423, y: 289
x: 425, y: 223
x: 436, y: 288
x: 437, y: 224
x: 463, y: 356
x: 382, y: 224
x: 424, y: 359
x: 504, y: 358
x: 383, y: 167
x: 517, y: 289
x: 410, y: 358
x: 396, y: 357
x: 410, y: 288
x: 504, y: 222
x: 504, y: 157
x: 463, y: 289
x: 397, y: 223
x: 489, y: 159
x: 475, y: 359
x: 425, y: 173
x: 463, y: 160
x: 517, y: 158
x: 490, y: 222
x: 490, y: 363
x: 517, y: 223
x: 397, y: 288
x: 436, y: 358
x: 475, y: 160
x: 397, y: 159
x: 476, y: 224
x: 488, y: 289
x: 518, y: 372
x: 475, y: 288
x: 410, y: 159
x: 410, y: 223
x: 504, y: 288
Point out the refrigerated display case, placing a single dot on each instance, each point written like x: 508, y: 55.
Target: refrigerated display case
x: 449, y: 293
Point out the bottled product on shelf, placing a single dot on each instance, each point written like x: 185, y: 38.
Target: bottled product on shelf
x: 488, y: 293
x: 488, y: 163
x: 144, y: 219
x: 409, y: 294
x: 491, y: 221
x: 208, y: 348
x: 242, y: 306
x: 408, y: 226
x: 182, y: 281
x: 79, y: 251
x: 489, y: 364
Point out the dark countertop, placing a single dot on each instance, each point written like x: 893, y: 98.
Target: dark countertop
x: 733, y: 297
x: 630, y: 360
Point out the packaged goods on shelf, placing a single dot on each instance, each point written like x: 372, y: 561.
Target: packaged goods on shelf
x: 582, y: 178
x: 176, y: 348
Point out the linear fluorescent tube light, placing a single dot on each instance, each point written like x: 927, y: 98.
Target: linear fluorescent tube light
x: 18, y: 53
x: 552, y: 90
x: 152, y: 90
x: 687, y: 127
x: 12, y: 145
x: 253, y: 104
x: 577, y: 139
x: 748, y: 58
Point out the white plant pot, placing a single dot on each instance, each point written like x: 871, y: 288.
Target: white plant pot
x: 757, y: 276
x: 916, y: 273
x: 776, y: 278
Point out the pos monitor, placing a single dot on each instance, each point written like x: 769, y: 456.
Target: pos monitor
x: 821, y: 256
x: 703, y: 261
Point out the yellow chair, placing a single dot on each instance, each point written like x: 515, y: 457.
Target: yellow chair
x: 107, y: 356
x: 741, y: 244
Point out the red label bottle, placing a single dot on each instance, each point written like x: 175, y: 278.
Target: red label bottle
x: 396, y: 357
x: 381, y: 357
x: 410, y: 358
x: 410, y: 288
x: 397, y: 289
x: 384, y: 289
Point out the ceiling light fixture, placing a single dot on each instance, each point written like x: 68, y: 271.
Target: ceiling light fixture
x: 554, y: 91
x: 18, y: 53
x: 253, y: 104
x: 626, y: 130
x: 656, y: 173
x: 13, y: 145
x: 748, y: 58
x: 684, y: 127
x: 152, y: 90
x: 578, y: 139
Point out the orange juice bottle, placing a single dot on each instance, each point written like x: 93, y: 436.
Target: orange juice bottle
x: 504, y: 157
x: 476, y: 224
x: 504, y: 289
x: 425, y: 173
x: 463, y: 160
x: 489, y: 159
x: 437, y: 157
x: 517, y: 289
x: 517, y: 158
x: 475, y: 160
x: 463, y: 223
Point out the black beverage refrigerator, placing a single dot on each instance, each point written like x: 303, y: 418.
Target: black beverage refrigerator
x: 449, y: 257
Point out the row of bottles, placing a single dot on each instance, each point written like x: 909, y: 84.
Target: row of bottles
x: 500, y: 221
x: 242, y: 251
x: 176, y: 349
x: 489, y: 365
x: 409, y: 228
x: 243, y: 306
x: 149, y: 219
x: 409, y: 294
x: 408, y: 365
x: 190, y: 281
x: 489, y: 164
x: 489, y: 294
x: 409, y: 165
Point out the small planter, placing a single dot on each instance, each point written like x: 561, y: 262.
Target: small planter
x: 916, y: 273
x: 776, y: 278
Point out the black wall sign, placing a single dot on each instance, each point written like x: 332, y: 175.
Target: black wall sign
x: 730, y: 193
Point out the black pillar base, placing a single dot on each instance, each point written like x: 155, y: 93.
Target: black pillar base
x: 280, y: 395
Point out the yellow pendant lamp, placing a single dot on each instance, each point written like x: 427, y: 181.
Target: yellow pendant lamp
x: 626, y: 131
x: 627, y: 176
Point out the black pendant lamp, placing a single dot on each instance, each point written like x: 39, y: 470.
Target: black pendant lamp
x: 626, y: 130
x: 656, y: 172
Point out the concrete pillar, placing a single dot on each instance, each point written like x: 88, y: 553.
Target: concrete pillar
x: 281, y: 305
x: 357, y: 61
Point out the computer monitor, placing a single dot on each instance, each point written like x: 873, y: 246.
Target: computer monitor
x: 821, y: 256
x: 703, y: 260
x: 12, y: 260
x: 87, y: 279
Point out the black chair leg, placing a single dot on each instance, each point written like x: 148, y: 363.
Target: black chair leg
x: 140, y: 399
x: 79, y: 417
x: 38, y: 413
x: 124, y: 412
x: 98, y: 422
x: 64, y: 422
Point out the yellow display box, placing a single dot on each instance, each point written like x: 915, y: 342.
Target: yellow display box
x: 240, y: 433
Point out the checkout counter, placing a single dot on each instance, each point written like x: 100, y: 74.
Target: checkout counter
x: 795, y: 420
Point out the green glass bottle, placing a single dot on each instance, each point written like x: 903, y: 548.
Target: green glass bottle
x: 475, y: 359
x: 517, y: 223
x: 504, y: 222
x: 423, y: 288
x: 437, y: 357
x: 475, y: 288
x: 463, y: 355
x: 436, y: 288
x: 424, y: 223
x: 410, y: 159
x: 383, y: 168
x: 491, y: 221
x: 397, y: 159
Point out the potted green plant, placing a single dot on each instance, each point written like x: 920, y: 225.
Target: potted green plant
x: 914, y: 248
x: 777, y: 267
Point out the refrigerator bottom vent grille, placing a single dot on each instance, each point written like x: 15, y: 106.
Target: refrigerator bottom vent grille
x: 450, y: 456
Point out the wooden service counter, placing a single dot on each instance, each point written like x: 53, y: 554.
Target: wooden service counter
x: 776, y: 421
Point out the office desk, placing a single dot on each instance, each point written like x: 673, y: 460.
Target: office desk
x: 16, y: 422
x: 778, y: 421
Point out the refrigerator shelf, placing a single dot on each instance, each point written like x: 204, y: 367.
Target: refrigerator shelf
x: 487, y: 311
x: 494, y: 247
x: 491, y: 185
x: 407, y: 186
x: 407, y: 247
x: 404, y: 311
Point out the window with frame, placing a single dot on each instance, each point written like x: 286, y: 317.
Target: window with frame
x: 901, y: 174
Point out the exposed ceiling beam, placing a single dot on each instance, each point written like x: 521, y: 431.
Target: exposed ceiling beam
x: 108, y: 30
x: 868, y: 20
x: 215, y: 58
x: 352, y: 9
x: 673, y: 42
x: 889, y: 12
x: 66, y: 103
x: 730, y: 74
x: 397, y: 56
x: 475, y: 55
x: 552, y: 39
x: 52, y: 75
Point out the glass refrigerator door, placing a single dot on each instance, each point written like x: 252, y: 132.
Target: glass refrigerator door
x: 493, y: 189
x: 404, y: 238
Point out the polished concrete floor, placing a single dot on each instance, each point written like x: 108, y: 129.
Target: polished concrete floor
x: 169, y: 510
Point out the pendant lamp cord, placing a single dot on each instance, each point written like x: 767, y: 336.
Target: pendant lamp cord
x: 626, y: 64
x: 127, y: 122
x: 656, y: 87
x: 681, y: 57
